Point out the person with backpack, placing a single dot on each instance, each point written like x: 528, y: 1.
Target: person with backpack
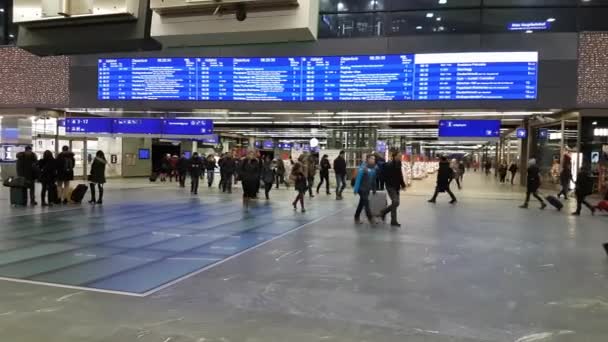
x: 98, y: 176
x: 584, y: 188
x: 445, y: 174
x: 533, y: 184
x: 65, y: 172
x: 48, y: 177
x: 196, y: 167
x: 324, y: 174
x: 27, y: 167
x: 393, y: 176
x: 364, y: 184
x: 340, y: 171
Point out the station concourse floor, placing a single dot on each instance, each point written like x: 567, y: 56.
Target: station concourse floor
x: 157, y: 264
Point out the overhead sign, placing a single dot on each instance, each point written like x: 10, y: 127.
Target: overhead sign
x: 138, y: 126
x: 88, y: 126
x: 469, y: 129
x: 521, y: 133
x: 285, y: 146
x: 543, y: 133
x: 405, y: 77
x: 143, y: 126
x: 187, y: 127
x: 212, y: 139
x: 268, y: 144
x: 529, y: 26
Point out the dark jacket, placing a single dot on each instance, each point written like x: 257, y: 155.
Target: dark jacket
x: 533, y: 182
x: 182, y: 165
x: 393, y: 175
x: 250, y: 170
x: 461, y: 168
x: 513, y: 168
x: 98, y: 171
x: 228, y: 165
x: 267, y: 173
x: 565, y: 177
x: 48, y: 170
x: 27, y: 165
x: 65, y: 166
x: 584, y: 184
x: 280, y: 167
x: 196, y: 166
x: 340, y: 166
x: 299, y: 181
x: 210, y: 164
x: 325, y: 166
x: 445, y: 174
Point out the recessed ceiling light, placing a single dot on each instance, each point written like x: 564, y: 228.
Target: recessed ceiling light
x: 1, y: 10
x: 443, y: 2
x: 529, y: 31
x: 430, y: 15
x: 418, y: 27
x: 438, y: 19
x: 551, y: 20
x: 11, y: 36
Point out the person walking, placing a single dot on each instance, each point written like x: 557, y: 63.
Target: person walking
x: 65, y: 172
x: 98, y: 176
x: 228, y: 168
x: 210, y: 165
x: 513, y: 169
x: 173, y: 165
x: 27, y: 167
x: 364, y: 184
x: 280, y: 173
x: 182, y: 170
x: 311, y: 169
x: 533, y: 184
x: 249, y: 175
x: 565, y: 177
x: 196, y: 166
x: 454, y: 167
x: 340, y: 171
x: 461, y: 171
x: 502, y: 172
x: 299, y: 179
x: 267, y: 176
x: 380, y: 161
x: 584, y: 188
x: 488, y: 167
x: 48, y: 177
x: 324, y: 174
x: 165, y: 167
x: 445, y: 174
x: 393, y: 176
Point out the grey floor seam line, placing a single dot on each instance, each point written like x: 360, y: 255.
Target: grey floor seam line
x: 192, y: 274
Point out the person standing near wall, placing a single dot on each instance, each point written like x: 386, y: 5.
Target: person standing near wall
x: 48, y: 177
x: 65, y: 172
x: 27, y: 167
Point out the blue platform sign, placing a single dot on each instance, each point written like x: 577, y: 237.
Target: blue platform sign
x: 285, y: 146
x: 268, y: 144
x: 137, y: 126
x: 88, y: 126
x: 521, y: 133
x: 187, y: 127
x: 212, y: 139
x: 543, y: 133
x: 469, y: 128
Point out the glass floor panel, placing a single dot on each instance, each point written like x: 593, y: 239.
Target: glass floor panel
x: 137, y: 248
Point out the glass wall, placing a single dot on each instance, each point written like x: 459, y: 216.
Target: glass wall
x: 370, y: 18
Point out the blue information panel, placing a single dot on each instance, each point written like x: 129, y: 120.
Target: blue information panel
x: 212, y: 139
x: 136, y: 126
x: 187, y: 127
x: 88, y: 125
x: 285, y: 146
x: 268, y: 144
x: 449, y: 76
x: 469, y: 128
x: 521, y: 133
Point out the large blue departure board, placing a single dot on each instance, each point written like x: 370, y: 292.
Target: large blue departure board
x: 448, y: 76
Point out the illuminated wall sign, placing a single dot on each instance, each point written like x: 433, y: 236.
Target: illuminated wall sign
x: 469, y: 128
x: 187, y: 127
x: 88, y: 126
x: 268, y: 144
x: 529, y: 26
x: 543, y: 133
x: 138, y: 126
x: 521, y: 133
x: 285, y: 146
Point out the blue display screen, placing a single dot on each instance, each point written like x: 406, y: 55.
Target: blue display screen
x: 137, y: 126
x: 88, y: 125
x: 285, y: 146
x: 268, y: 144
x: 469, y: 128
x: 144, y: 154
x: 381, y: 146
x: 521, y: 133
x: 212, y: 139
x: 543, y: 133
x: 186, y: 127
x: 407, y: 77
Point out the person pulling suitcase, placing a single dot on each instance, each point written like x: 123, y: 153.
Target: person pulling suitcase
x: 533, y: 184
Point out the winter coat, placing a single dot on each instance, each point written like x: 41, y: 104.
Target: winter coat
x: 584, y: 184
x: 250, y: 170
x: 280, y: 167
x: 393, y: 176
x: 27, y: 165
x: 228, y: 165
x: 513, y: 168
x: 299, y: 180
x: 196, y: 167
x: 565, y: 177
x: 48, y: 170
x: 366, y: 179
x: 98, y: 171
x: 340, y: 166
x: 182, y: 165
x: 65, y: 166
x: 533, y: 182
x: 267, y: 173
x: 325, y: 166
x: 211, y: 164
x: 445, y: 174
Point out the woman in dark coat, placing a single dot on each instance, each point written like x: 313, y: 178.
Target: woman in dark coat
x: 65, y: 172
x: 584, y: 188
x: 267, y: 176
x: 444, y: 177
x: 533, y: 184
x: 324, y: 174
x: 48, y: 177
x: 564, y: 179
x: 98, y: 176
x: 299, y: 178
x: 249, y: 174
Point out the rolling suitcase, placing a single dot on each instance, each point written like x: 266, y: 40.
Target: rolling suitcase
x: 377, y: 202
x: 153, y: 177
x: 78, y: 193
x: 18, y: 196
x: 555, y: 202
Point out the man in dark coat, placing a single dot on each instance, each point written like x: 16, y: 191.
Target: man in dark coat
x: 584, y: 188
x: 196, y: 167
x: 182, y: 170
x: 444, y: 177
x: 340, y: 171
x: 533, y: 184
x: 228, y: 168
x: 393, y: 177
x: 27, y: 167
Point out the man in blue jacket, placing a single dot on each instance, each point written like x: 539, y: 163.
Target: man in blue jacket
x: 366, y: 182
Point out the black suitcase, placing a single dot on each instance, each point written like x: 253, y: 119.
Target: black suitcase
x: 555, y: 202
x: 18, y: 196
x: 78, y: 193
x: 153, y: 177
